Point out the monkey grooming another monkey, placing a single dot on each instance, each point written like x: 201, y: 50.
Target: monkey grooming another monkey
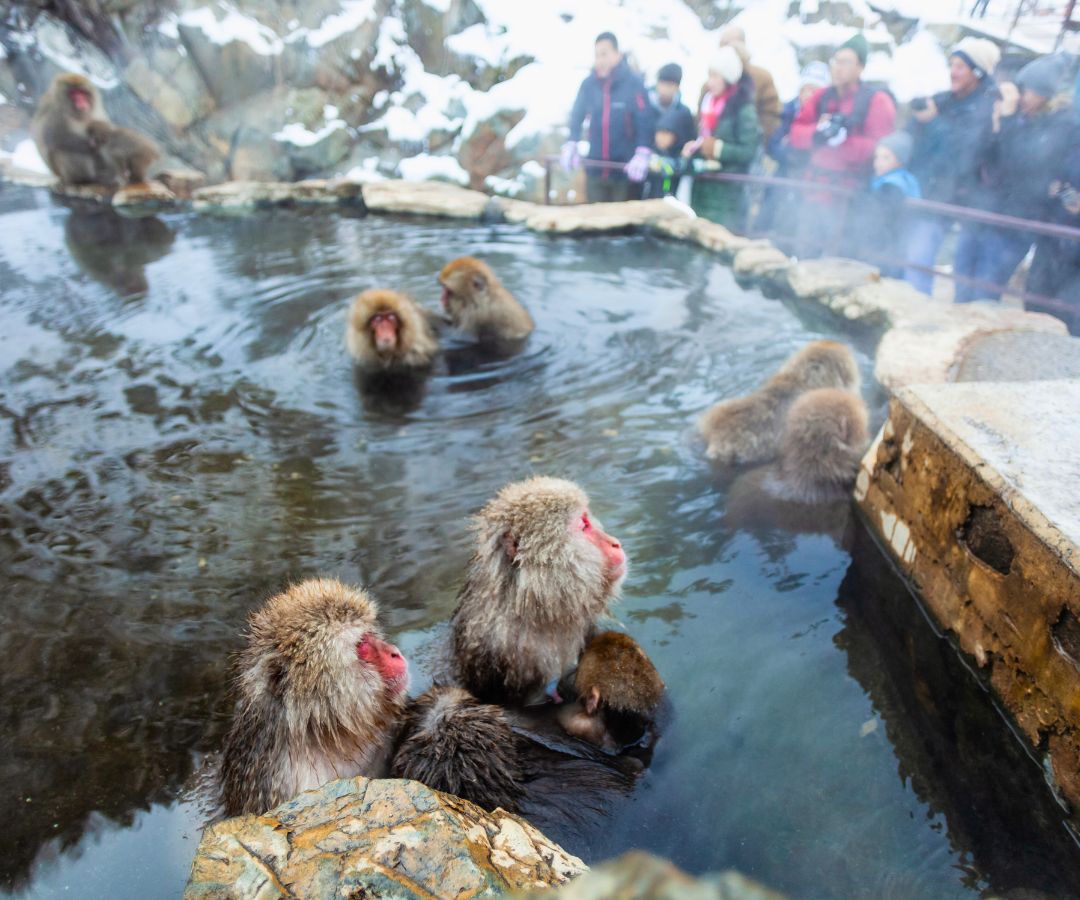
x: 541, y: 575
x: 387, y: 331
x: 127, y: 152
x: 477, y: 303
x: 747, y: 429
x: 618, y: 691
x: 824, y: 438
x: 318, y: 696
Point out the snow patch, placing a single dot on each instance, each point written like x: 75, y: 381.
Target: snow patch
x: 366, y: 171
x: 25, y: 156
x: 354, y: 14
x: 232, y: 26
x: 296, y: 134
x: 425, y: 166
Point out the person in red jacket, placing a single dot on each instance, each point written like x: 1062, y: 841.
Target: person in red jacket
x: 839, y: 126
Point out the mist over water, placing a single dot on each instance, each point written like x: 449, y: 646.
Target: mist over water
x: 181, y: 434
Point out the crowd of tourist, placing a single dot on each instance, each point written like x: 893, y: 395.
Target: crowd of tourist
x: 1004, y: 145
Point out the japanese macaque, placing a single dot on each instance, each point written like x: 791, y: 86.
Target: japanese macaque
x: 454, y: 743
x: 318, y: 696
x: 387, y: 331
x: 493, y: 757
x: 824, y: 438
x: 541, y: 575
x: 618, y: 689
x: 127, y: 152
x: 747, y: 429
x: 59, y: 129
x: 477, y: 303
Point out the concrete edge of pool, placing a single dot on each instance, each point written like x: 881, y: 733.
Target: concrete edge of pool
x: 968, y: 486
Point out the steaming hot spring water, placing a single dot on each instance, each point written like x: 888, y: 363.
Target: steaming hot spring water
x: 182, y: 435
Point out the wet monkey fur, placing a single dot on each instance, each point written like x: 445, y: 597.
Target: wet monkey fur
x: 821, y: 445
x: 123, y: 150
x: 318, y: 695
x: 615, y: 679
x: 747, y: 429
x: 542, y: 573
x: 388, y: 332
x: 477, y: 303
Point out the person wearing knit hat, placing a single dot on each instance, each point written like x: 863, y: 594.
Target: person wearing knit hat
x: 949, y: 130
x: 979, y: 54
x: 729, y: 138
x: 878, y: 224
x: 766, y: 97
x: 1022, y: 156
x: 858, y: 45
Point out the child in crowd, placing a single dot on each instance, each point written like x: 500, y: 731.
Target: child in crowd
x: 667, y: 163
x: 878, y: 222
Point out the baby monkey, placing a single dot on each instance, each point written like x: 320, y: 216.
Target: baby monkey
x: 122, y: 150
x: 618, y: 692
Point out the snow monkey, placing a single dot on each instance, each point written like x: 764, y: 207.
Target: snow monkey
x: 388, y: 331
x: 477, y: 303
x: 80, y: 144
x: 824, y: 437
x: 318, y: 696
x: 541, y: 575
x: 127, y: 152
x: 747, y: 429
x: 615, y: 680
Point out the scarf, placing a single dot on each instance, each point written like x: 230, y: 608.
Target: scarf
x: 712, y: 108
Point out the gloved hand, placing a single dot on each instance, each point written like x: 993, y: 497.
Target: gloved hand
x: 638, y: 167
x: 569, y: 156
x: 837, y: 139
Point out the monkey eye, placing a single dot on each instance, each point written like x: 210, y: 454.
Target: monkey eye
x: 583, y: 523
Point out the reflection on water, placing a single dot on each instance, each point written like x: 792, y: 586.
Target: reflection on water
x: 167, y: 463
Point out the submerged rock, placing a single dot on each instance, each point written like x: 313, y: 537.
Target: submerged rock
x: 641, y: 876
x: 359, y: 837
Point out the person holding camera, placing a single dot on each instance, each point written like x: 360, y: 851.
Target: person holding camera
x: 1028, y: 140
x: 842, y: 124
x: 948, y: 130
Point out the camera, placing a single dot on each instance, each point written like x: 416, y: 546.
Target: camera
x: 919, y: 104
x: 829, y: 128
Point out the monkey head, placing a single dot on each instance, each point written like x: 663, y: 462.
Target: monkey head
x: 316, y: 649
x: 466, y: 288
x: 79, y: 94
x: 386, y: 328
x: 614, y: 672
x: 821, y: 364
x: 541, y: 528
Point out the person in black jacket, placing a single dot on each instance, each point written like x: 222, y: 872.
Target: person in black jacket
x: 1028, y: 140
x: 668, y: 113
x: 949, y: 129
x: 612, y: 99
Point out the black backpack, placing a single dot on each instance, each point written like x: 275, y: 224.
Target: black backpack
x: 861, y: 108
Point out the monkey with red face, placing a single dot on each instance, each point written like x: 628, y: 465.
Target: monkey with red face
x: 80, y: 144
x: 542, y: 574
x: 387, y: 332
x: 319, y: 693
x: 477, y: 303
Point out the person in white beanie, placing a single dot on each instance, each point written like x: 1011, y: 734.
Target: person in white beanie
x: 729, y: 135
x: 949, y: 129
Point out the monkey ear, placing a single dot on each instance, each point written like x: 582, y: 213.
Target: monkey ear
x: 479, y: 282
x: 510, y: 546
x: 592, y: 700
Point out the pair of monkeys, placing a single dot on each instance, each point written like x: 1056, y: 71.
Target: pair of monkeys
x: 388, y: 332
x: 320, y: 694
x: 808, y: 417
x: 80, y: 144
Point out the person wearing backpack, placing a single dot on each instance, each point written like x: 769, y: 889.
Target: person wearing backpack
x: 842, y: 124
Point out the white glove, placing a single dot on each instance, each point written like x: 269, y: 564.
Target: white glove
x: 569, y: 156
x: 638, y: 167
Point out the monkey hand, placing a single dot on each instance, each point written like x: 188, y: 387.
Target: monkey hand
x: 569, y: 156
x: 638, y: 167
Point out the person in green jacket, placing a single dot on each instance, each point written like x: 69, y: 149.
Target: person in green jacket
x: 730, y: 136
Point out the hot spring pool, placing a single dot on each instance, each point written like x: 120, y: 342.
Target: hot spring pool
x: 182, y: 435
